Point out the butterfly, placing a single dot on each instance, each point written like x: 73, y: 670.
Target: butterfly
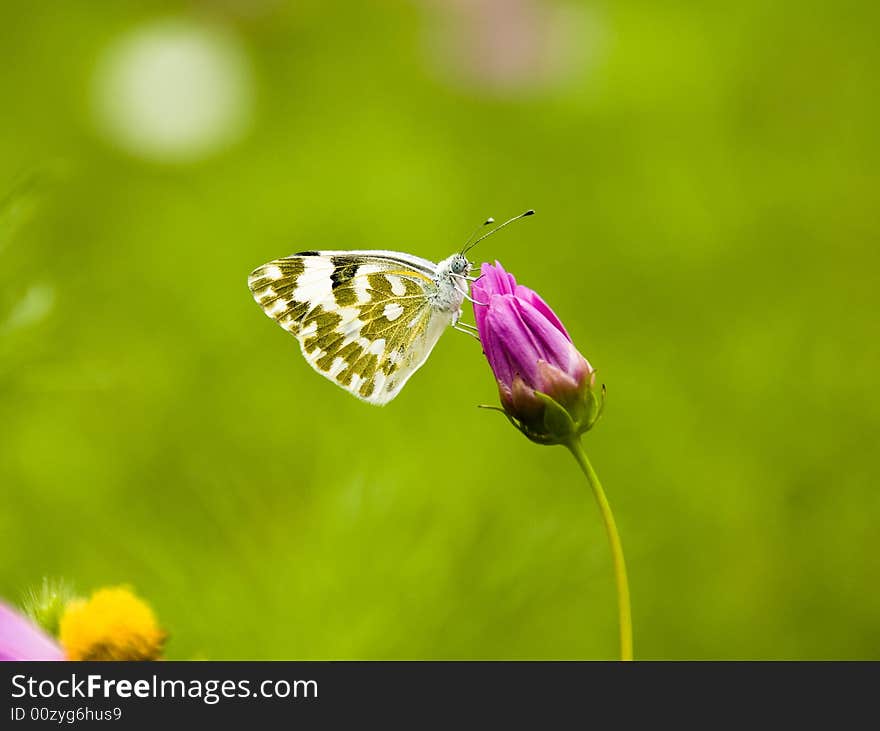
x: 367, y: 320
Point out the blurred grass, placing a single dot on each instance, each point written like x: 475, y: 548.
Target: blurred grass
x: 707, y: 229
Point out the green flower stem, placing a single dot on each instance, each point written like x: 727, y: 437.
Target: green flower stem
x: 623, y: 606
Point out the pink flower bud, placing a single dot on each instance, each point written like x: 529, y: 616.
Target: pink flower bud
x: 545, y: 384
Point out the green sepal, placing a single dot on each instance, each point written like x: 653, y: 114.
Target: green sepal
x: 594, y: 405
x: 45, y: 604
x: 558, y: 423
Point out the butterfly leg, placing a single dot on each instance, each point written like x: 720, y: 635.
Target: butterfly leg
x: 464, y: 293
x: 466, y: 332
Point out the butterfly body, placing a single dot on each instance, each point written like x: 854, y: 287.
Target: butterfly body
x: 449, y: 293
x: 367, y: 320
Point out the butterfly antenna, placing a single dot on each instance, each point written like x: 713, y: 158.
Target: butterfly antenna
x: 467, y: 244
x: 530, y: 212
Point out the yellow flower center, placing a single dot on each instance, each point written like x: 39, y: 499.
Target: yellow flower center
x: 113, y: 625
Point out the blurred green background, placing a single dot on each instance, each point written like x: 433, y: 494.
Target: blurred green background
x: 706, y: 182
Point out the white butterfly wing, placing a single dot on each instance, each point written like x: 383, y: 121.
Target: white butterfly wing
x: 363, y: 319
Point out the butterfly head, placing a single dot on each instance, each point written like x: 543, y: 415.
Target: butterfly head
x: 459, y: 264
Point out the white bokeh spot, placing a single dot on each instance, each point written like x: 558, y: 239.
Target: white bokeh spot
x: 174, y: 91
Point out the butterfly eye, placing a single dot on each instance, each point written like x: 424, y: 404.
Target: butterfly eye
x: 459, y: 265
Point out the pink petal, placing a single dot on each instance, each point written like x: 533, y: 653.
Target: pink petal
x: 551, y: 343
x: 535, y: 301
x: 492, y: 280
x: 21, y: 639
x: 515, y: 351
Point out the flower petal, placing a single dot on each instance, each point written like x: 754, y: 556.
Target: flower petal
x: 21, y: 639
x: 535, y: 301
x: 495, y: 280
x: 516, y: 346
x: 481, y: 294
x: 500, y: 281
x: 533, y: 358
x: 551, y: 343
